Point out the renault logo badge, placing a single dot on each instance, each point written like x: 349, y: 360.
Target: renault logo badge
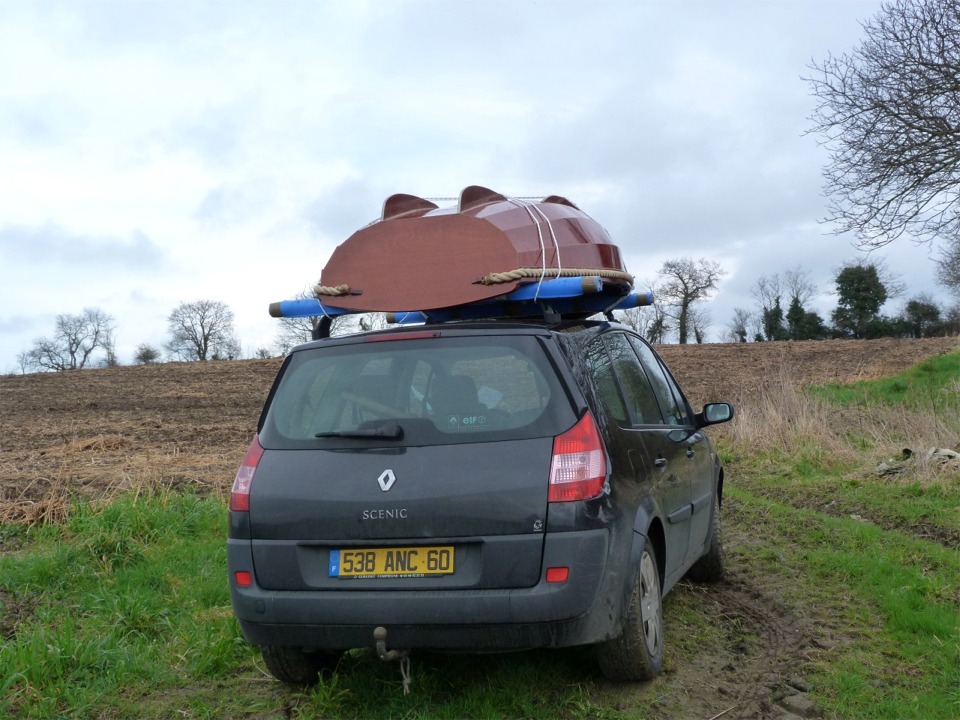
x: 386, y: 480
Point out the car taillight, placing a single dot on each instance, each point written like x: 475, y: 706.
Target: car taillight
x: 240, y: 492
x: 579, y: 465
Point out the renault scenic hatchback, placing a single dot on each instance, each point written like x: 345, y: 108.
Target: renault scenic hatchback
x: 472, y: 487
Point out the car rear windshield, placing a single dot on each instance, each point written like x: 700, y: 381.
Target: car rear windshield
x: 437, y: 391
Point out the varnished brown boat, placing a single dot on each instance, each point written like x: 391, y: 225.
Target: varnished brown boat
x: 418, y: 256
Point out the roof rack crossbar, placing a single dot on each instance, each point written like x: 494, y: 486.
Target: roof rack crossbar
x: 563, y: 296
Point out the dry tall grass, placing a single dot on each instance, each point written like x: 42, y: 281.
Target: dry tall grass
x: 783, y: 420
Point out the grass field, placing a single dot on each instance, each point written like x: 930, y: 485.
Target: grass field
x: 842, y: 575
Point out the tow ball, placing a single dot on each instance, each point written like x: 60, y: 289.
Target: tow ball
x: 380, y: 638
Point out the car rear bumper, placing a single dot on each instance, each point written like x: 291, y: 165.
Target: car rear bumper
x: 544, y: 615
x: 465, y: 638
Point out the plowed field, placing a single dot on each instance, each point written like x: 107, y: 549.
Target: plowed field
x: 98, y: 432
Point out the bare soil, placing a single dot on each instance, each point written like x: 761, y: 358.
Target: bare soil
x: 97, y: 433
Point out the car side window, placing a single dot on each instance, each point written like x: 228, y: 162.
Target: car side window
x: 598, y: 361
x: 637, y: 392
x: 686, y: 416
x: 674, y: 406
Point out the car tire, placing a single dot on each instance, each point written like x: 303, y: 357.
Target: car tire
x: 709, y: 568
x: 637, y: 654
x: 293, y: 666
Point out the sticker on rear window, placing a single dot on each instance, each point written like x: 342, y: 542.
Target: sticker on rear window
x: 460, y: 423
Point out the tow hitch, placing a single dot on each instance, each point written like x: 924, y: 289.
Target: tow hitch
x: 380, y: 637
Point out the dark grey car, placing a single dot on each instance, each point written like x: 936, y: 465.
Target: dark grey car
x: 472, y: 487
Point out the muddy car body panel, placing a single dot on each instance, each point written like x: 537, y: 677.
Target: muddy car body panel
x: 481, y: 486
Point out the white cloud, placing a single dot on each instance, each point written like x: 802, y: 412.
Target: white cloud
x: 158, y: 152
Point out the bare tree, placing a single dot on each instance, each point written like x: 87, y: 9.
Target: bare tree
x: 739, y: 327
x: 110, y: 358
x: 202, y: 330
x: 768, y: 292
x: 948, y: 267
x: 146, y: 355
x: 637, y: 319
x: 659, y: 328
x: 798, y: 286
x: 700, y: 321
x: 684, y: 282
x: 363, y: 322
x: 75, y: 339
x: 48, y: 354
x: 296, y: 330
x: 23, y: 360
x: 890, y: 115
x: 951, y: 320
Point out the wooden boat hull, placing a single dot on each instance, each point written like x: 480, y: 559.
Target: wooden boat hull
x: 419, y: 256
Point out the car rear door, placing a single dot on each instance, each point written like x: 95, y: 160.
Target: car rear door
x: 408, y: 463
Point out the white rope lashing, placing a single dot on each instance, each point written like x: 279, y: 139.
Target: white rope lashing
x: 543, y: 249
x: 496, y: 278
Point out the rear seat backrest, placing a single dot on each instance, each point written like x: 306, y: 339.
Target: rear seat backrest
x: 455, y: 395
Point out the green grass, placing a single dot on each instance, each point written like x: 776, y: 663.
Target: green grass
x: 931, y: 386
x: 130, y: 595
x: 874, y: 557
x: 892, y: 596
x: 124, y: 612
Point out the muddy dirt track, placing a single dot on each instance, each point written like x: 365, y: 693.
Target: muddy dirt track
x: 100, y: 432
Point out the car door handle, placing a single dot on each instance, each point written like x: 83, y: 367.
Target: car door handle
x: 690, y: 453
x: 660, y: 462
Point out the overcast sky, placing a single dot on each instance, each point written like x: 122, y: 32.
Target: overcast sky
x: 159, y: 152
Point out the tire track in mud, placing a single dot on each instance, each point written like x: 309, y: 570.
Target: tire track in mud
x: 753, y: 665
x: 833, y: 506
x: 759, y: 673
x: 754, y: 661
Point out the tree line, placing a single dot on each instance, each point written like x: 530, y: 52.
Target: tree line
x: 204, y: 329
x: 782, y: 306
x: 199, y: 330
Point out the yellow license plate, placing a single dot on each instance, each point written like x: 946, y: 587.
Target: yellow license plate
x: 391, y: 562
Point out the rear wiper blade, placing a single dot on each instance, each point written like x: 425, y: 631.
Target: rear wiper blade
x: 387, y: 431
